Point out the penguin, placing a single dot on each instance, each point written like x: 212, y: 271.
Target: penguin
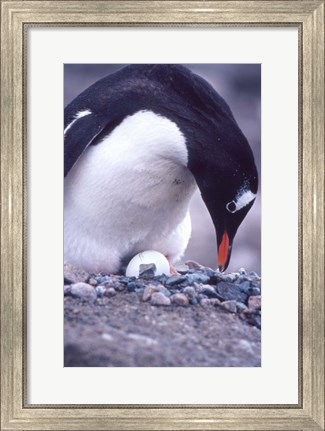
x: 137, y: 144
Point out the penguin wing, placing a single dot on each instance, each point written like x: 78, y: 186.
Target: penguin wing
x: 80, y: 133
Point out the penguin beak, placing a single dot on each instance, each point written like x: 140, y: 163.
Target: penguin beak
x: 224, y: 252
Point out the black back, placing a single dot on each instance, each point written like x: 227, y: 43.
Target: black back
x: 170, y: 90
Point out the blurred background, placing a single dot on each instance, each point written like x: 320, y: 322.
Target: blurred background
x: 240, y: 86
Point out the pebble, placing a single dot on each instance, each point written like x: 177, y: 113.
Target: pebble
x: 187, y: 279
x: 228, y: 292
x: 229, y: 306
x: 119, y: 286
x: 163, y: 290
x: 214, y: 301
x: 110, y: 291
x: 208, y: 291
x: 193, y: 265
x: 84, y: 291
x: 126, y: 280
x: 161, y: 278
x: 158, y: 298
x: 254, y: 291
x: 238, y: 292
x: 240, y: 307
x: 197, y: 278
x: 251, y: 317
x: 214, y: 276
x: 180, y: 299
x: 147, y: 270
x: 254, y: 302
x: 92, y: 282
x: 175, y: 279
x: 67, y: 290
x: 205, y: 302
x: 74, y: 275
x: 182, y: 268
x: 190, y: 292
x: 134, y: 286
x: 229, y: 277
x: 244, y: 287
x: 148, y: 291
x: 103, y: 279
x: 100, y: 290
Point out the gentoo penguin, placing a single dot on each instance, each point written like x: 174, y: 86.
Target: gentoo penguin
x: 137, y: 143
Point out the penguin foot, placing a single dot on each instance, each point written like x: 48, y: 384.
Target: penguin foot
x: 172, y: 268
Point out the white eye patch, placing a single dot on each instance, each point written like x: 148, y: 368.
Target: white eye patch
x: 242, y: 199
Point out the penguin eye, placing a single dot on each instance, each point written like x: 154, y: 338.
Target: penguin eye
x: 231, y: 206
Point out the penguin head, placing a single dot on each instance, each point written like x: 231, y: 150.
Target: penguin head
x: 228, y: 181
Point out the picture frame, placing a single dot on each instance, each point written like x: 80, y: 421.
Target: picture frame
x: 16, y: 16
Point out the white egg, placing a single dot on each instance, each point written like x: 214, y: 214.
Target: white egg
x: 146, y: 257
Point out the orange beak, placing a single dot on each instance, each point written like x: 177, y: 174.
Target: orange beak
x: 223, y: 251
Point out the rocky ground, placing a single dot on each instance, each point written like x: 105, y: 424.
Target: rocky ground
x: 196, y: 318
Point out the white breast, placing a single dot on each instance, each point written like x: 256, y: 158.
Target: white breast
x: 129, y: 193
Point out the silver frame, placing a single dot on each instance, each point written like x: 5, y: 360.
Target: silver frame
x: 16, y: 17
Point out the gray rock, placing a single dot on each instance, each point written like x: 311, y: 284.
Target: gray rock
x: 135, y: 286
x: 190, y: 292
x: 92, y: 281
x: 67, y: 290
x: 193, y: 265
x: 254, y: 302
x: 148, y: 291
x: 214, y: 276
x: 104, y: 279
x: 205, y: 302
x: 208, y: 291
x: 201, y: 296
x: 187, y: 279
x: 147, y: 270
x: 119, y: 286
x: 112, y: 282
x: 175, y: 280
x: 180, y: 299
x: 182, y: 268
x: 240, y: 307
x: 158, y: 298
x: 214, y: 301
x: 230, y: 277
x: 161, y: 278
x: 228, y: 292
x: 254, y: 291
x: 242, y: 271
x: 100, y: 290
x: 229, y: 306
x: 164, y: 290
x: 197, y: 278
x: 125, y: 280
x: 244, y: 286
x: 74, y: 275
x: 110, y: 292
x: 84, y: 291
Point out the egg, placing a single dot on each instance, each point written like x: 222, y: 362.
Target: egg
x: 146, y: 257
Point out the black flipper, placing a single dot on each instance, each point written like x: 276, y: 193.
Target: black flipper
x: 79, y: 136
